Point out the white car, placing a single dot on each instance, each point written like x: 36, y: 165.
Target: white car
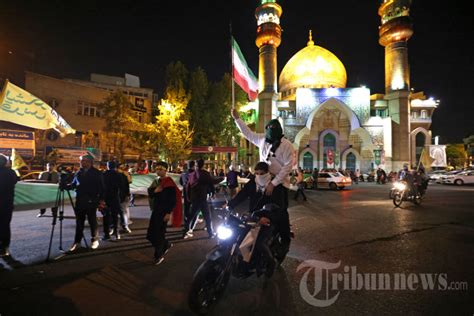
x: 435, y: 175
x: 333, y: 180
x: 465, y: 177
x: 443, y: 178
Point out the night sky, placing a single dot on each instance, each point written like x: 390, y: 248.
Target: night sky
x: 64, y: 40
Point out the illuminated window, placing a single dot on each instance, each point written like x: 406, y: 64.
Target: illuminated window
x: 308, y: 161
x: 424, y: 114
x: 87, y: 109
x: 351, y: 161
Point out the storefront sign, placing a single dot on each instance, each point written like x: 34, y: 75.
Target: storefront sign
x: 22, y: 141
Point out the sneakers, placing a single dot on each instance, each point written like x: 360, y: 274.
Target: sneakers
x: 127, y: 230
x: 189, y: 234
x: 158, y: 261
x: 117, y: 237
x: 4, y: 252
x: 95, y: 244
x: 41, y: 213
x: 167, y: 249
x: 74, y: 247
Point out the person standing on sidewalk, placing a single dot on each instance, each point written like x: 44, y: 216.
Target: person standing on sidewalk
x: 51, y: 176
x: 163, y: 194
x: 8, y: 181
x: 89, y: 185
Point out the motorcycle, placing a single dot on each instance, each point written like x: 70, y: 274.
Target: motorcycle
x: 401, y: 192
x: 232, y: 256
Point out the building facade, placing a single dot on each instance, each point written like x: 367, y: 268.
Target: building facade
x: 335, y: 126
x: 78, y: 102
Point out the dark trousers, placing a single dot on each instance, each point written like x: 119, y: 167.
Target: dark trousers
x: 156, y: 233
x: 187, y: 211
x: 81, y: 214
x: 5, y: 232
x: 262, y: 246
x: 111, y: 215
x: 201, y: 205
x: 300, y: 190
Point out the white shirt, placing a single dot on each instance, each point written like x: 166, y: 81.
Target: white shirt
x: 280, y: 166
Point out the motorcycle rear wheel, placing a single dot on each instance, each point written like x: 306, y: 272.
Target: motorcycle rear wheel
x: 397, y: 199
x: 207, y: 287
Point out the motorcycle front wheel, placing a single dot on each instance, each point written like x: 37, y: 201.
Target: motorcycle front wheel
x: 209, y: 282
x: 397, y: 199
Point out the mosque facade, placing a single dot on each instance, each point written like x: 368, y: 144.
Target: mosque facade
x: 335, y: 126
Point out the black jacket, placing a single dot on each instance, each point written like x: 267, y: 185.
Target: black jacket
x: 258, y: 200
x: 89, y: 187
x: 113, y: 185
x: 163, y: 201
x: 8, y: 180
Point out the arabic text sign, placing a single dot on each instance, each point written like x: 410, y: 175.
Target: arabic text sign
x: 21, y: 107
x: 67, y: 155
x: 23, y: 142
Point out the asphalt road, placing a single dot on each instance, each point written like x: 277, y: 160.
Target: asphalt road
x: 354, y: 253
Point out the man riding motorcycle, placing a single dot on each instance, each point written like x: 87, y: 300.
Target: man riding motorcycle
x: 269, y: 219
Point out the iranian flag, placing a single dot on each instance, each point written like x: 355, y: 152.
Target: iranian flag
x: 243, y: 75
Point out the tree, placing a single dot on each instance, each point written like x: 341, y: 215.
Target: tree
x: 174, y: 135
x: 119, y: 122
x: 200, y: 116
x: 176, y: 81
x: 456, y: 155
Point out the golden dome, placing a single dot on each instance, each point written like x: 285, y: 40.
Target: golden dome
x: 312, y: 67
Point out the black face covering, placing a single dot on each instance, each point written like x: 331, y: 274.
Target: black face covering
x: 273, y: 131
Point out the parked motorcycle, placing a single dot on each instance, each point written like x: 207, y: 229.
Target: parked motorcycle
x: 234, y: 256
x: 401, y: 192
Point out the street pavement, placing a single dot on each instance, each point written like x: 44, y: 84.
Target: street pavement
x: 343, y: 239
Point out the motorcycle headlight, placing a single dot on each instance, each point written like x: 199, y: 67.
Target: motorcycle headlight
x: 400, y: 186
x: 223, y: 232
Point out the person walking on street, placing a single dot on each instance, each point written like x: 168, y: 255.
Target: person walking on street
x: 51, y: 176
x: 113, y: 186
x: 126, y: 178
x: 8, y: 180
x: 315, y: 176
x: 89, y: 185
x: 357, y: 176
x: 232, y: 181
x: 183, y: 181
x: 300, y: 184
x: 163, y: 194
x: 199, y: 182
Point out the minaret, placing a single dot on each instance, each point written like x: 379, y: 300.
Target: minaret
x: 268, y: 39
x: 395, y: 31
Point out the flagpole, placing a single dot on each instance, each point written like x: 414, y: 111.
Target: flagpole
x: 232, y: 65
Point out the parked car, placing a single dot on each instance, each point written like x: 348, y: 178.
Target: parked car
x: 442, y: 178
x: 435, y: 175
x: 465, y: 177
x: 333, y: 180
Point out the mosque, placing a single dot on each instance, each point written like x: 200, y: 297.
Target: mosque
x: 335, y: 126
